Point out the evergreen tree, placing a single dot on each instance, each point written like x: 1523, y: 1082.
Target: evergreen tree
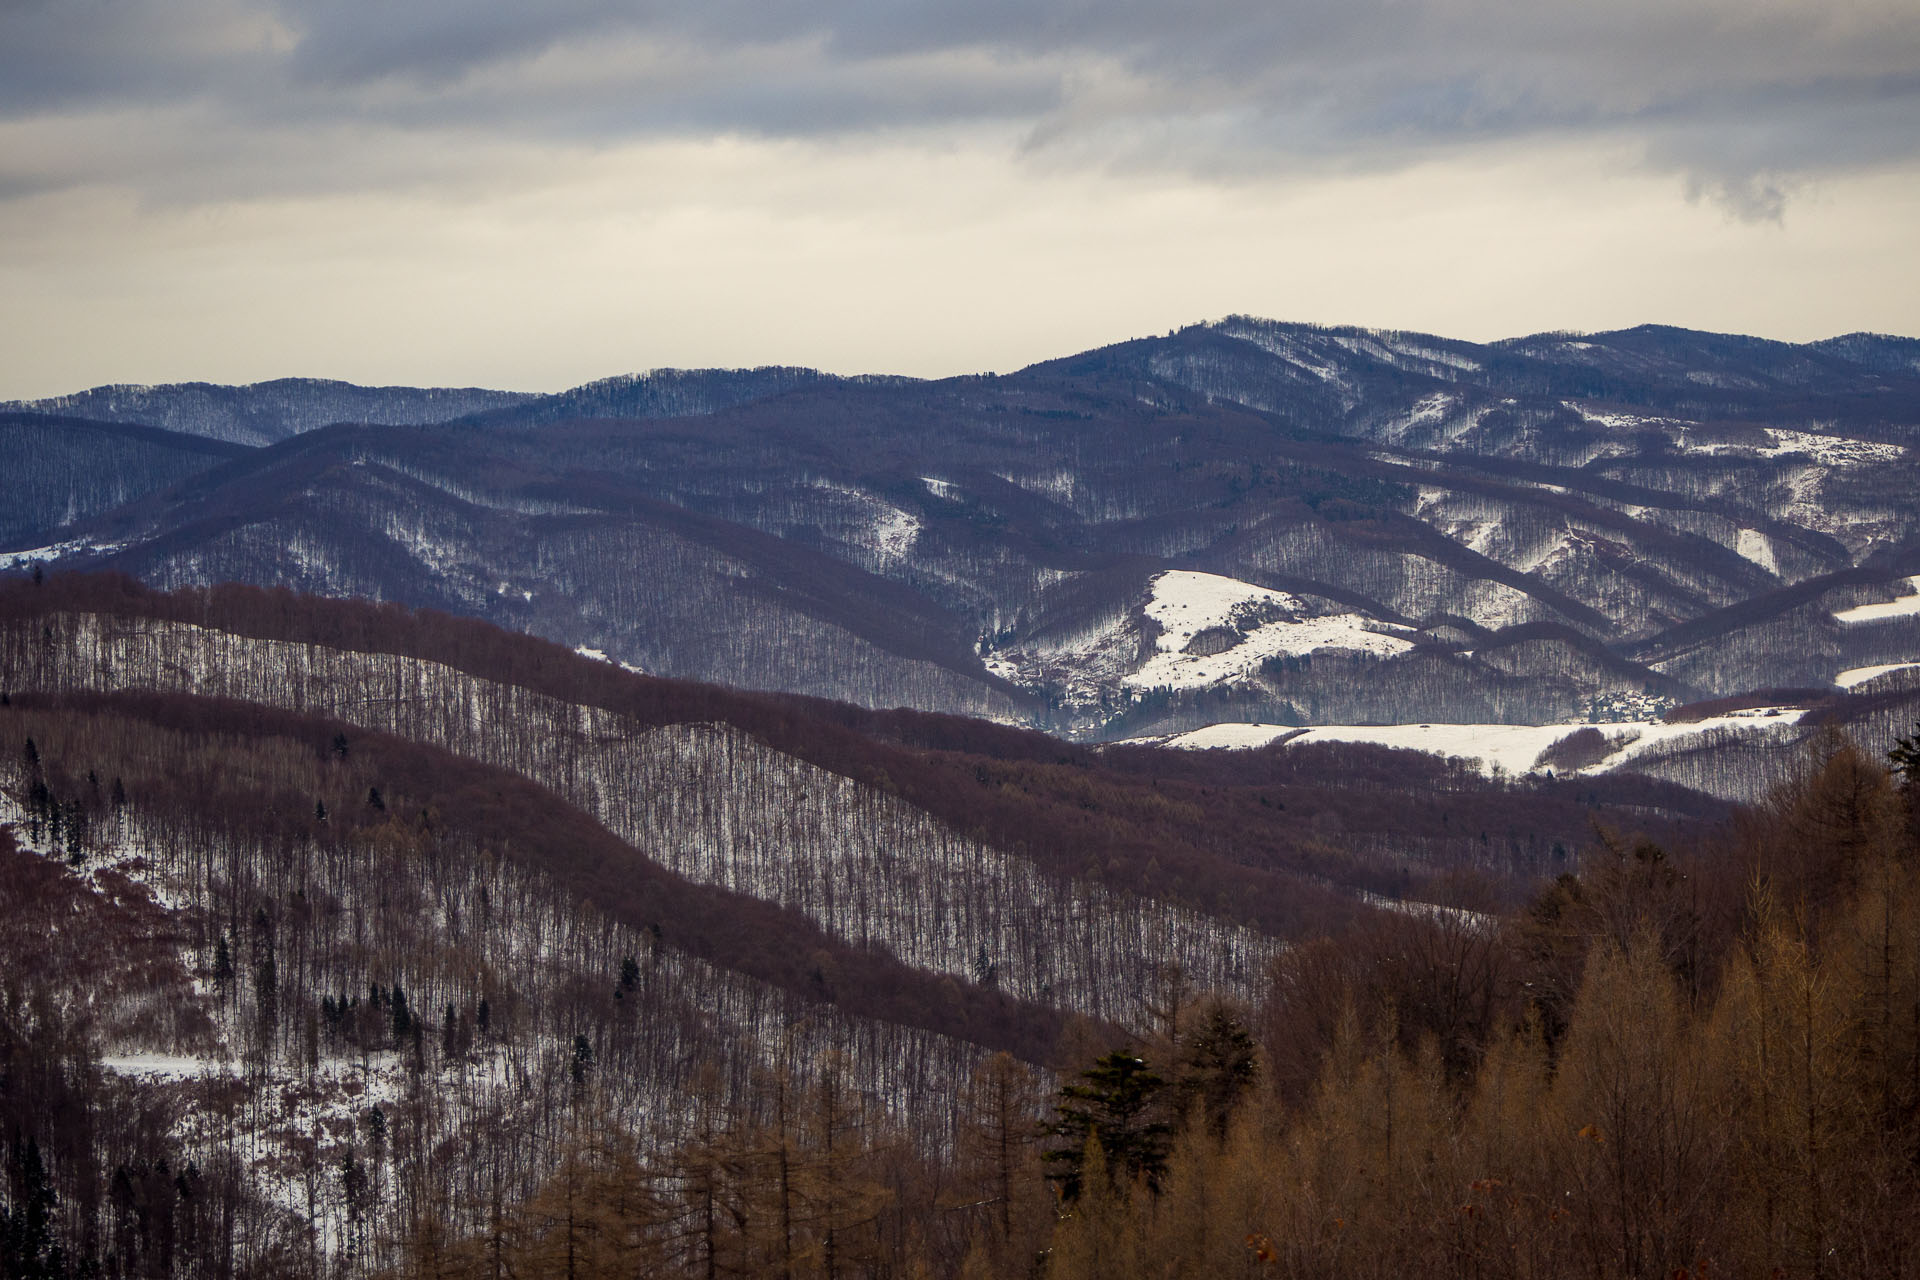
x: 582, y: 1060
x: 402, y: 1020
x: 1217, y: 1065
x: 1904, y: 757
x: 27, y: 1246
x: 1115, y: 1104
x: 223, y: 965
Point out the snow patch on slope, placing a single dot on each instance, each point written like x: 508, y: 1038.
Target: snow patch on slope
x: 1616, y: 421
x: 1214, y: 628
x: 47, y: 555
x: 1905, y: 606
x: 1757, y: 547
x: 1832, y: 451
x: 1857, y: 676
x: 1496, y: 748
x: 872, y: 524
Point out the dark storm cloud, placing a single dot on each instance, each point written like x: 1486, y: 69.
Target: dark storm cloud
x: 1744, y: 97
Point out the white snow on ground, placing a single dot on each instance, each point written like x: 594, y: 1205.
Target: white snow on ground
x: 1395, y: 350
x: 1228, y: 737
x: 873, y: 523
x: 1263, y: 624
x: 1757, y: 547
x: 1617, y: 421
x: 1426, y: 411
x: 1507, y: 748
x: 894, y: 533
x: 1905, y: 606
x: 1834, y: 451
x: 164, y: 1066
x: 1059, y: 484
x: 600, y: 655
x: 1474, y: 921
x: 938, y: 488
x: 1290, y: 349
x: 21, y: 559
x: 1001, y: 667
x: 1857, y: 676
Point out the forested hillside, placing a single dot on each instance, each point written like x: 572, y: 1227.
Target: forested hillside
x: 340, y: 940
x: 335, y: 932
x: 1239, y: 521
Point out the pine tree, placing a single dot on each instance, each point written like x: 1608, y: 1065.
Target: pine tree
x: 28, y: 1248
x: 582, y: 1063
x: 1217, y: 1065
x: 401, y: 1019
x: 1115, y: 1103
x: 223, y: 966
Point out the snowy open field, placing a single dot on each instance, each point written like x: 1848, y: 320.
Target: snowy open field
x: 1252, y: 623
x: 1902, y: 607
x: 1857, y: 676
x: 1499, y: 748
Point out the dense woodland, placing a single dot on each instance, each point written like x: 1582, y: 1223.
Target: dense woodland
x: 337, y: 940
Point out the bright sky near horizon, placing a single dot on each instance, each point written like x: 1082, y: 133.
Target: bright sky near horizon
x: 530, y: 196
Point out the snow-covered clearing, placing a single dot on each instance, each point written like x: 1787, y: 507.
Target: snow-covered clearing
x: 1904, y: 606
x: 1251, y: 623
x: 46, y: 555
x: 1832, y: 451
x: 166, y: 1066
x: 1499, y: 748
x: 1617, y: 421
x: 1856, y: 676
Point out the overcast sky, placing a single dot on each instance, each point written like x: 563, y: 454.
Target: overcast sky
x: 531, y: 195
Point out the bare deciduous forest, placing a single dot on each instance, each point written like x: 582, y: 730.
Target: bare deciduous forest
x: 337, y: 940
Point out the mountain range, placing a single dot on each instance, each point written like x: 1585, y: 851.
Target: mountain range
x: 1241, y: 521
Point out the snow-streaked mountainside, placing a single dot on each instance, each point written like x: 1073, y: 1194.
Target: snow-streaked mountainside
x: 1240, y: 521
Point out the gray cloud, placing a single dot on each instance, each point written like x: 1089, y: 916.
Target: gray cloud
x: 1743, y: 99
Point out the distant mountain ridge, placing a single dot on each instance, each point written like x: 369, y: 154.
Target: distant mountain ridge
x: 265, y: 412
x: 1378, y: 526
